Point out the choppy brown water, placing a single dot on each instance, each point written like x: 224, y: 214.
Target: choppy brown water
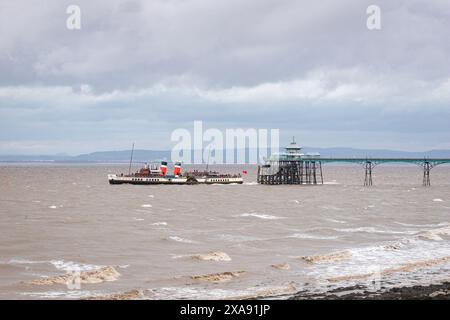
x: 218, y: 241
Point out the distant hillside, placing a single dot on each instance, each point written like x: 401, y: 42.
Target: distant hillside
x: 158, y: 155
x: 138, y: 155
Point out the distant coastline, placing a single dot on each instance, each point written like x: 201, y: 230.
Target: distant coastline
x: 123, y: 156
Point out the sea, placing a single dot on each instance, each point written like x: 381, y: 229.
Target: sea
x: 66, y: 233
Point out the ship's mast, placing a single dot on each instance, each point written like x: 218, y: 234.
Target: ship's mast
x: 131, y: 159
x: 209, y: 155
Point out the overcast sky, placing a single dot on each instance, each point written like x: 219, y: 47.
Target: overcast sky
x: 137, y: 70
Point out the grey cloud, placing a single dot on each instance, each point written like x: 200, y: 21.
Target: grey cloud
x: 243, y: 58
x: 139, y: 43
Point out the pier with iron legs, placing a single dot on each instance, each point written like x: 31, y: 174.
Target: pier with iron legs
x: 308, y: 170
x: 295, y: 167
x: 291, y: 172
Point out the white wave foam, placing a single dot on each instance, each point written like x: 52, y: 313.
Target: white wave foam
x: 254, y: 183
x: 86, y: 277
x: 180, y: 256
x: 161, y: 223
x: 138, y: 219
x: 52, y: 207
x: 374, y: 230
x: 179, y: 293
x: 58, y: 264
x: 261, y: 216
x: 146, y: 206
x: 144, y: 211
x: 336, y: 221
x: 69, y: 266
x: 435, y: 234
x: 438, y: 200
x: 211, y: 256
x: 396, y: 262
x: 237, y: 238
x: 72, y: 294
x: 25, y: 261
x: 311, y: 236
x: 179, y: 239
x: 431, y: 225
x: 328, y: 207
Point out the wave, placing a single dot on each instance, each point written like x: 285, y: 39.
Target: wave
x: 71, y: 294
x: 282, y: 266
x: 374, y: 230
x: 431, y: 225
x: 334, y: 208
x: 261, y: 216
x: 143, y: 210
x: 134, y: 294
x: 210, y: 256
x: 61, y: 265
x: 84, y: 277
x: 69, y: 266
x: 393, y: 260
x: 435, y: 234
x: 334, y: 182
x: 218, y: 277
x: 182, y: 240
x: 25, y: 261
x: 178, y: 293
x: 160, y: 223
x: 7, y: 267
x: 327, y: 258
x: 310, y: 236
x: 336, y: 221
x: 405, y: 267
x: 237, y: 238
x: 213, y: 256
x: 146, y: 206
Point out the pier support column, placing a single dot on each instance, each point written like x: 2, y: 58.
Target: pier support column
x: 314, y: 172
x: 258, y: 175
x: 368, y: 166
x: 426, y: 173
x: 321, y: 173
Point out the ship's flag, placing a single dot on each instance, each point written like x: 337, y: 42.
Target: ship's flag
x: 244, y: 172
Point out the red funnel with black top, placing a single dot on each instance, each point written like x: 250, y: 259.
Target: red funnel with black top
x: 177, y: 169
x: 163, y: 168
